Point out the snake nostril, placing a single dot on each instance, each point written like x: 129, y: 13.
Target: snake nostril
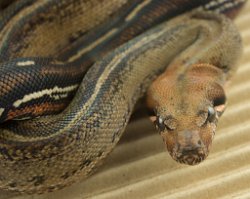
x: 189, y: 151
x: 191, y: 156
x: 194, y: 150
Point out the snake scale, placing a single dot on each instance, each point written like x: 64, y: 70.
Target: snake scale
x: 90, y: 61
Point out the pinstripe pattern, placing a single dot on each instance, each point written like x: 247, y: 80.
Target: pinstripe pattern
x: 79, y: 55
x: 139, y: 168
x: 77, y: 143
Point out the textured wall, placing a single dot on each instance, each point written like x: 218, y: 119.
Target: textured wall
x: 139, y: 167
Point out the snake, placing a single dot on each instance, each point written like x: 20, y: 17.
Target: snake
x: 71, y: 73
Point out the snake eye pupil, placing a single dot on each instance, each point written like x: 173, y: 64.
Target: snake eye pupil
x: 159, y: 123
x: 211, y: 116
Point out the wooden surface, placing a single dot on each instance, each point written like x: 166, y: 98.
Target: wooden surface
x: 140, y: 167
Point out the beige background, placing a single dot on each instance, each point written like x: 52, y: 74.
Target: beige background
x: 140, y: 167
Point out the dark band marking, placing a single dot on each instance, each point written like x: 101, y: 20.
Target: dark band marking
x: 220, y: 100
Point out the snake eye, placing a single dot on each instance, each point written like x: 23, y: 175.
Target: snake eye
x: 164, y: 124
x: 159, y: 123
x: 219, y: 106
x: 211, y: 114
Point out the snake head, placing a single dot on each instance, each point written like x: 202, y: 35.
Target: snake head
x: 186, y: 115
x: 188, y: 138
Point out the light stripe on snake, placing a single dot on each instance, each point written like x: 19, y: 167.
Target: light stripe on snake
x: 127, y: 44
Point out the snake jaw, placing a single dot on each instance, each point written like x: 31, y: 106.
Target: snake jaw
x: 190, y: 156
x: 188, y: 138
x: 189, y: 142
x: 188, y: 146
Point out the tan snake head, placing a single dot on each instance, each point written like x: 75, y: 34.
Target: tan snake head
x: 187, y: 108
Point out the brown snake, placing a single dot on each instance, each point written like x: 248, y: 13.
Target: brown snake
x: 198, y: 46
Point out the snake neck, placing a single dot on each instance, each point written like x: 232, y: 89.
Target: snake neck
x: 186, y: 109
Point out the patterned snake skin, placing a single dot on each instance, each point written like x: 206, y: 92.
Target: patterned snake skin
x: 48, y: 46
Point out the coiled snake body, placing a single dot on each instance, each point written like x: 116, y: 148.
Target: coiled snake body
x: 48, y: 45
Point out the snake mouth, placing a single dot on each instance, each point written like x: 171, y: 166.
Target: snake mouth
x: 190, y: 156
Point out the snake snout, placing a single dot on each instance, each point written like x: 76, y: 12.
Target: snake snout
x: 191, y: 156
x: 189, y: 148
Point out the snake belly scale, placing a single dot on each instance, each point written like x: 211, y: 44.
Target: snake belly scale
x: 52, y: 42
